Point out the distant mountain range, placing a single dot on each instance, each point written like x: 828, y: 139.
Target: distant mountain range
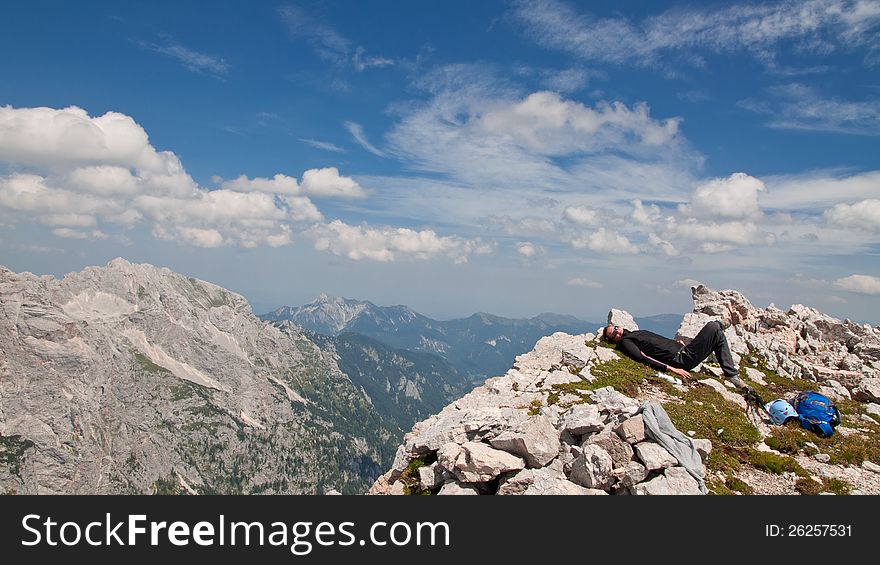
x: 477, y: 347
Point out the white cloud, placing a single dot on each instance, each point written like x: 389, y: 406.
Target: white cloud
x: 479, y: 131
x: 92, y: 171
x: 733, y: 233
x: 546, y: 123
x: 321, y: 183
x: 50, y: 138
x: 645, y: 215
x: 328, y: 43
x: 191, y: 59
x: 581, y: 215
x: 357, y: 132
x: 731, y: 198
x: 77, y: 234
x: 760, y: 29
x: 686, y: 283
x: 386, y: 244
x: 279, y: 184
x: 361, y: 61
x: 586, y: 283
x: 605, y: 241
x: 528, y: 249
x: 104, y: 180
x: 864, y: 215
x: 201, y: 237
x: 798, y: 106
x: 325, y: 145
x: 862, y: 284
x: 328, y: 183
x: 819, y: 189
x: 665, y: 247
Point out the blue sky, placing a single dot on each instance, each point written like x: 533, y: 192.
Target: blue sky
x: 509, y: 157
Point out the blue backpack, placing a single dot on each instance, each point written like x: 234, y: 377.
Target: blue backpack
x: 816, y: 413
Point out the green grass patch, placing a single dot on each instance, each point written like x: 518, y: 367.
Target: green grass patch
x: 412, y: 484
x: 147, y: 365
x: 12, y: 449
x: 775, y: 464
x: 810, y: 487
x: 535, y: 407
x: 552, y: 398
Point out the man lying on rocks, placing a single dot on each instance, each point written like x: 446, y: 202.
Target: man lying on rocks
x: 665, y: 354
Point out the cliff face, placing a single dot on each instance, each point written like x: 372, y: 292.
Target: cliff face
x: 558, y: 422
x: 133, y: 379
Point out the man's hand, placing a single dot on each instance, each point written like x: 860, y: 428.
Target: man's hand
x: 680, y: 372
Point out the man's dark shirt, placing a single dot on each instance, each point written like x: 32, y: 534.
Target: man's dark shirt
x: 649, y: 348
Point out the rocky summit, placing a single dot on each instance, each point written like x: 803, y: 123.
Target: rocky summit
x: 569, y: 416
x: 134, y: 379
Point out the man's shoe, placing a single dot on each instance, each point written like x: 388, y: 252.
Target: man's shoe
x: 737, y: 382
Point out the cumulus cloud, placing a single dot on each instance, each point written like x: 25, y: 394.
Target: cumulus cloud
x: 50, y: 139
x: 528, y: 249
x: 663, y: 246
x: 581, y: 215
x: 385, y: 244
x: 479, y: 130
x: 862, y: 284
x: 83, y: 171
x: 645, y: 215
x: 326, y: 183
x: 863, y: 215
x: 546, y: 123
x: 731, y: 198
x: 605, y: 241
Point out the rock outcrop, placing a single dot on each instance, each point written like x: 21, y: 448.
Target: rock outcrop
x: 563, y: 435
x: 517, y: 435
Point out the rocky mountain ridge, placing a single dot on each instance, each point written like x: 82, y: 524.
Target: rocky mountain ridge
x: 558, y: 422
x: 134, y: 379
x: 479, y: 346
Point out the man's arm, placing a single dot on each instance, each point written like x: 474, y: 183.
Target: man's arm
x: 633, y: 352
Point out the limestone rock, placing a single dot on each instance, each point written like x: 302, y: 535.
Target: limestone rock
x: 536, y: 441
x: 633, y: 473
x: 582, y: 419
x: 609, y: 400
x: 546, y: 481
x: 868, y: 390
x: 454, y: 489
x: 620, y: 451
x: 632, y: 430
x: 704, y: 448
x: 654, y: 456
x: 593, y: 468
x: 432, y: 476
x: 623, y: 319
x: 476, y: 462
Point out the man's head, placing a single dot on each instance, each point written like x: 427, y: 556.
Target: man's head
x: 612, y: 333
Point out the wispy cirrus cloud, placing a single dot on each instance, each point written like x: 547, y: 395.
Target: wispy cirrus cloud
x: 191, y: 59
x: 357, y: 132
x: 327, y: 42
x: 325, y: 145
x: 798, y: 106
x: 818, y: 26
